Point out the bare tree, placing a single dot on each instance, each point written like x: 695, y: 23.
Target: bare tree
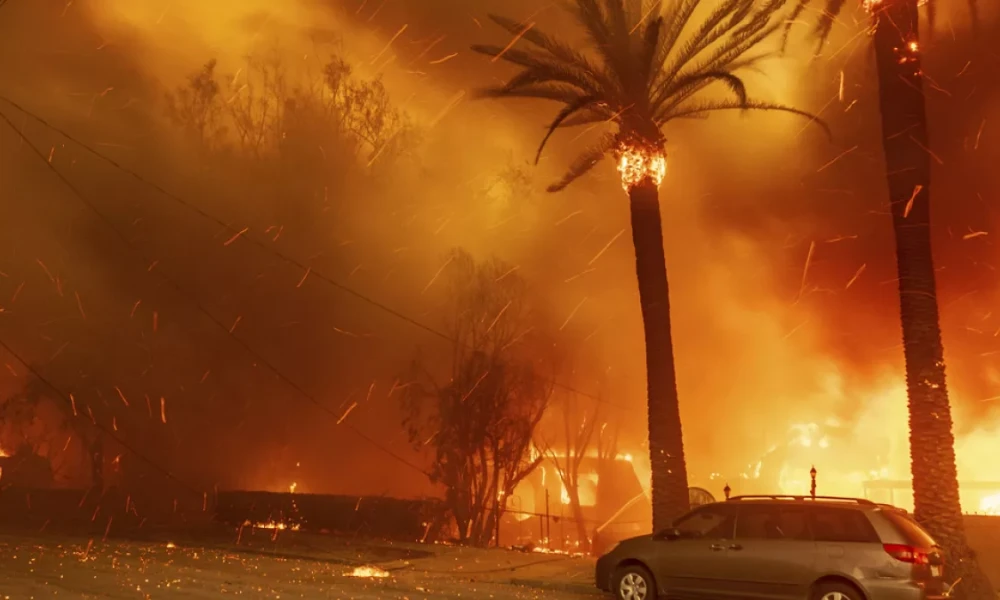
x: 579, y: 425
x: 478, y: 415
x: 197, y: 108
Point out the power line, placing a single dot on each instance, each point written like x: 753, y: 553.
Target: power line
x: 180, y: 290
x: 110, y: 434
x: 242, y: 234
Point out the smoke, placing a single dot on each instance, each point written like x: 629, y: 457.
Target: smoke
x: 779, y: 245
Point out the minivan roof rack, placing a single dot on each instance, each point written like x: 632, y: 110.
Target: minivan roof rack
x: 862, y: 501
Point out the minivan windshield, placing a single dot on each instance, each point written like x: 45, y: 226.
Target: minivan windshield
x: 913, y: 533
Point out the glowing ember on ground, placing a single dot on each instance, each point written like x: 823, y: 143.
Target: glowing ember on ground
x: 636, y: 164
x: 990, y: 505
x: 275, y: 525
x: 368, y: 572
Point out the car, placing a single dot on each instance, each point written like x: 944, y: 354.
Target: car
x: 780, y: 547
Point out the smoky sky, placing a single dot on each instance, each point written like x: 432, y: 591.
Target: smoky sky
x: 757, y: 331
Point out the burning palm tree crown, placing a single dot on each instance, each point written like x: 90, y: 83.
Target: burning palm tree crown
x: 643, y: 73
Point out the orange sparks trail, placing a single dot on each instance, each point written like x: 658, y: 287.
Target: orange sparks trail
x: 605, y: 248
x: 805, y: 269
x: 304, y: 276
x: 572, y: 314
x: 347, y: 412
x: 121, y: 395
x: 913, y: 197
x: 237, y: 236
x: 836, y: 158
x: 857, y: 274
x: 79, y: 304
x: 517, y: 37
x: 163, y: 409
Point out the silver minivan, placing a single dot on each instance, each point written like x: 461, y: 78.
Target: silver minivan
x: 780, y: 547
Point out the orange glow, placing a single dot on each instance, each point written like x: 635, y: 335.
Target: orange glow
x: 990, y: 505
x: 873, y: 448
x: 368, y: 572
x: 274, y: 525
x: 291, y: 488
x: 636, y: 164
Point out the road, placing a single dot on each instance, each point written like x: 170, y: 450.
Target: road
x: 53, y: 568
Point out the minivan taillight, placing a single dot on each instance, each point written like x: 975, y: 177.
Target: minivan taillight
x: 908, y: 554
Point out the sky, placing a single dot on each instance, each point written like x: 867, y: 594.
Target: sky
x: 778, y: 243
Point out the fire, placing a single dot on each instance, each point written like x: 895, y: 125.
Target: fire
x: 4, y: 453
x: 868, y: 454
x: 990, y: 505
x: 638, y: 163
x: 369, y: 572
x: 291, y: 488
x: 274, y: 525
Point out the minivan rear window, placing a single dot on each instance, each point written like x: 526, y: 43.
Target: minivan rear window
x: 841, y: 525
x: 913, y: 533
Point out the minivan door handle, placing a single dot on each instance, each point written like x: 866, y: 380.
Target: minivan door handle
x: 717, y: 547
x: 736, y: 547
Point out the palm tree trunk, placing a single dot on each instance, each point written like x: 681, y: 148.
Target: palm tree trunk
x: 666, y: 444
x: 908, y: 166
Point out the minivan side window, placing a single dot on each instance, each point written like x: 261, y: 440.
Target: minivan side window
x: 713, y: 522
x: 772, y: 522
x: 841, y: 525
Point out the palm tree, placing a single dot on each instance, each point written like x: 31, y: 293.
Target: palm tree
x: 641, y: 73
x: 896, y: 41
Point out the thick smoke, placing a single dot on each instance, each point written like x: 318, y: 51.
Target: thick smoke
x: 768, y: 333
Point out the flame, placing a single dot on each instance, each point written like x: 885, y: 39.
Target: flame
x: 873, y: 446
x: 368, y: 572
x: 291, y: 488
x: 273, y: 525
x: 4, y: 453
x: 637, y: 163
x: 990, y: 505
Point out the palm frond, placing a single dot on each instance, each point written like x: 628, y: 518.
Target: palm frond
x: 545, y: 67
x: 639, y: 82
x: 675, y: 95
x: 586, y: 161
x: 558, y: 50
x: 568, y: 111
x: 824, y: 26
x: 558, y: 92
x: 793, y: 18
x: 704, y: 108
x: 587, y: 117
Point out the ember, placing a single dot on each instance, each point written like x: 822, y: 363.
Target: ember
x: 368, y: 572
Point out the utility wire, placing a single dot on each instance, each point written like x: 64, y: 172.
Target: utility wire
x: 109, y: 433
x: 267, y: 248
x: 180, y: 290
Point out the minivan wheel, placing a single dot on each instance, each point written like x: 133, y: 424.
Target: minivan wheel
x: 835, y: 591
x: 633, y: 582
